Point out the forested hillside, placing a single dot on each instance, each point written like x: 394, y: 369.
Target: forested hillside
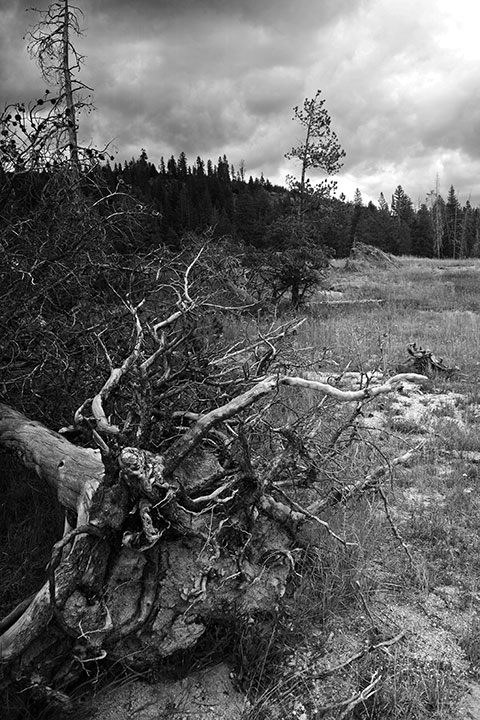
x: 206, y: 194
x: 182, y: 198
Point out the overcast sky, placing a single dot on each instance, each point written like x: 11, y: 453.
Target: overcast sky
x: 213, y: 77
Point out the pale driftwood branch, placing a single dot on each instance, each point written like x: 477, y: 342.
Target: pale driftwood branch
x: 149, y: 361
x: 214, y: 495
x: 349, y: 395
x: 116, y: 374
x: 186, y: 289
x: 168, y: 321
x: 192, y: 437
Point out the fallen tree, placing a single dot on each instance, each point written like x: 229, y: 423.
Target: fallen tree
x: 162, y: 545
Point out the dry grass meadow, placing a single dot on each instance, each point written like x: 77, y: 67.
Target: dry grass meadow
x: 390, y: 627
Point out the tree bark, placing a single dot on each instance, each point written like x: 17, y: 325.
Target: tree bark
x: 74, y: 473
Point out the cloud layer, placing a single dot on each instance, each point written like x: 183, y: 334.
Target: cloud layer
x: 222, y: 76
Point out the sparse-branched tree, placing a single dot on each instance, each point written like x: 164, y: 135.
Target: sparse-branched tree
x: 320, y: 149
x: 298, y: 253
x: 438, y: 221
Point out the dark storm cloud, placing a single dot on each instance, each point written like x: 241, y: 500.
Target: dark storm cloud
x: 202, y: 77
x: 18, y: 74
x: 272, y: 13
x: 221, y: 76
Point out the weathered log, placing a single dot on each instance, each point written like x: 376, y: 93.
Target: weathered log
x: 114, y: 594
x: 163, y: 547
x: 74, y: 473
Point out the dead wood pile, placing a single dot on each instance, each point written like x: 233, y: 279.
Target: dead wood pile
x: 425, y: 362
x: 362, y: 255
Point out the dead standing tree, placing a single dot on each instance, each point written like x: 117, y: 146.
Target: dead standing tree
x: 51, y: 45
x: 174, y: 523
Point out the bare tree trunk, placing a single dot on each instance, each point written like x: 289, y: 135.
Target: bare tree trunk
x: 67, y: 78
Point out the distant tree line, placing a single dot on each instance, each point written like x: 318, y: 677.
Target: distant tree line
x: 195, y: 197
x: 438, y: 228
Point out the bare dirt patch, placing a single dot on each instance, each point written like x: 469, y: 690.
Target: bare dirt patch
x: 205, y: 695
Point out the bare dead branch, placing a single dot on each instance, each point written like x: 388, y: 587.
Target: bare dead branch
x: 354, y: 700
x: 323, y: 523
x: 353, y: 658
x: 116, y: 374
x: 192, y: 437
x: 370, y: 482
x: 395, y: 530
x: 186, y: 289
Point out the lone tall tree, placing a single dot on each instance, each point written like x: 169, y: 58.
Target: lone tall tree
x: 320, y: 149
x: 51, y: 45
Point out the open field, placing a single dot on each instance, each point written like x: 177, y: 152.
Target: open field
x: 397, y: 614
x: 435, y: 303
